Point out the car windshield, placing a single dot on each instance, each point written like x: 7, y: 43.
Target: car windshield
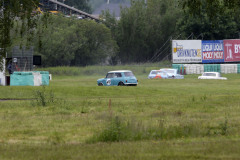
x: 110, y: 75
x: 128, y: 74
x: 154, y: 72
x: 170, y: 71
x: 209, y: 74
x: 159, y: 72
x: 118, y: 75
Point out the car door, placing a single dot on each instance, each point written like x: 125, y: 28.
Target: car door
x: 117, y: 78
x: 109, y: 79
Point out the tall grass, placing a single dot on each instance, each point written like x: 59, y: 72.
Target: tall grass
x: 138, y: 69
x: 174, y: 118
x: 119, y: 130
x: 43, y: 97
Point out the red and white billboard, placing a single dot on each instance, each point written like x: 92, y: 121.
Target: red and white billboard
x: 231, y: 50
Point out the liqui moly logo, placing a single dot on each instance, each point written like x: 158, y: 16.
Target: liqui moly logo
x: 212, y: 47
x: 212, y: 55
x: 212, y: 50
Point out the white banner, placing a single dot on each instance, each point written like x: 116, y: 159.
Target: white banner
x: 187, y: 51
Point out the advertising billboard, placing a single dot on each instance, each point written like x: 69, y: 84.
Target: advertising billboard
x: 231, y: 50
x: 212, y: 51
x: 187, y: 51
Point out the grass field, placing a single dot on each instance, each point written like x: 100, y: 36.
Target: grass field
x: 73, y: 118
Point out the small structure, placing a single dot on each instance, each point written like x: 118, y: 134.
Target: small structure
x: 20, y: 68
x: 35, y: 78
x: 22, y: 59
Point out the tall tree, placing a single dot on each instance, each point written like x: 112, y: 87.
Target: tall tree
x: 210, y: 7
x: 10, y: 11
x: 143, y: 29
x: 68, y: 41
x: 214, y: 19
x: 224, y: 26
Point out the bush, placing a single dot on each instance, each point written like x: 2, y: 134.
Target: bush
x: 43, y: 97
x: 119, y: 130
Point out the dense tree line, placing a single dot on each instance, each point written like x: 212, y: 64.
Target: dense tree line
x: 143, y: 34
x: 68, y: 41
x: 144, y: 31
x: 12, y: 11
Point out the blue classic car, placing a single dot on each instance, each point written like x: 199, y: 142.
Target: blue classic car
x: 118, y: 78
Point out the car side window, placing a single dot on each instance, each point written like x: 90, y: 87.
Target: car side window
x: 118, y: 74
x: 128, y: 74
x: 209, y: 74
x: 110, y: 75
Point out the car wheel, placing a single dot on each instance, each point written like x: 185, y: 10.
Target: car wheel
x: 120, y: 84
x: 100, y: 84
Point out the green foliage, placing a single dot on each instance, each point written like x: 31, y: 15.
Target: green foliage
x: 119, y: 130
x: 157, y: 117
x: 56, y: 138
x: 221, y: 129
x: 43, y: 97
x: 143, y: 28
x: 211, y: 7
x: 102, y: 70
x: 67, y: 41
x: 12, y: 11
x: 224, y: 127
x: 115, y: 132
x: 224, y: 25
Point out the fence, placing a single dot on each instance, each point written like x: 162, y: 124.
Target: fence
x: 200, y: 68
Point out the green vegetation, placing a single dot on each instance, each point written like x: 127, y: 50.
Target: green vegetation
x: 67, y: 41
x: 145, y: 30
x: 142, y: 34
x: 102, y: 70
x: 158, y: 119
x: 12, y: 11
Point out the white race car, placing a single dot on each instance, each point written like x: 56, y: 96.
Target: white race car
x: 212, y: 75
x: 172, y: 73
